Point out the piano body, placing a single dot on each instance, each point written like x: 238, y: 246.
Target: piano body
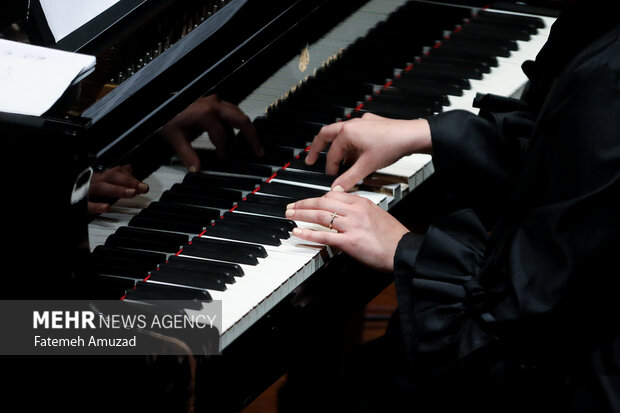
x: 292, y: 66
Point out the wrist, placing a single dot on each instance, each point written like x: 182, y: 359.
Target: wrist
x: 418, y: 137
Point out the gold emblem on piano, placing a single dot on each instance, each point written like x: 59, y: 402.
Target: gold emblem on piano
x: 304, y: 59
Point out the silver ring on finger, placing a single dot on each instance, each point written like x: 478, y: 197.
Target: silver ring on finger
x: 331, y: 223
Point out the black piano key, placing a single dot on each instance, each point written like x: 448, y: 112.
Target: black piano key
x: 295, y: 126
x: 195, y: 264
x: 504, y: 17
x: 165, y: 223
x: 220, y: 253
x: 188, y: 278
x: 169, y: 292
x: 210, y: 161
x: 224, y: 254
x: 307, y: 177
x: 468, y: 61
x: 395, y: 110
x: 116, y: 240
x: 516, y: 28
x: 448, y: 69
x: 471, y: 33
x: 151, y: 258
x: 199, y: 222
x: 293, y: 191
x: 164, y: 237
x: 197, y: 200
x: 207, y: 191
x: 283, y: 223
x: 263, y: 209
x: 139, y: 266
x: 153, y: 296
x: 289, y: 139
x: 307, y: 112
x: 393, y: 95
x: 145, y: 239
x: 173, y: 269
x: 244, y: 227
x: 233, y: 233
x: 449, y: 86
x: 479, y: 47
x: 468, y: 54
x: 275, y: 156
x: 202, y: 180
x: 300, y: 163
x: 120, y: 269
x: 205, y: 214
x: 254, y: 249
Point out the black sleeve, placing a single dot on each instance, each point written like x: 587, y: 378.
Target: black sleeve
x: 476, y: 157
x: 544, y: 283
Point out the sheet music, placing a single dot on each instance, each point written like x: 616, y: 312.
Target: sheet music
x: 64, y: 16
x: 33, y: 78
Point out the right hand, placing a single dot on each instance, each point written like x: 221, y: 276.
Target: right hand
x: 369, y: 143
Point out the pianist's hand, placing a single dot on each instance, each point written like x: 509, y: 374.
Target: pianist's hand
x: 368, y: 143
x: 113, y: 183
x: 214, y: 116
x: 365, y: 231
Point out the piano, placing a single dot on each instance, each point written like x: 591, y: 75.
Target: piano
x: 220, y: 234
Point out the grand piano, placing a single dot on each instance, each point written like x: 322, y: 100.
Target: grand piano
x: 292, y: 66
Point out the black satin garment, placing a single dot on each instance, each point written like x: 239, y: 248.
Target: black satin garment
x: 515, y: 302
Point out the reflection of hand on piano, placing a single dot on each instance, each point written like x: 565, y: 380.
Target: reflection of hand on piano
x: 371, y: 142
x: 364, y: 230
x: 113, y: 183
x: 217, y: 118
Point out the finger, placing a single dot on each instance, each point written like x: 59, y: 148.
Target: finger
x: 335, y: 239
x: 322, y: 203
x: 335, y: 155
x: 358, y: 171
x: 107, y: 190
x: 184, y: 150
x: 326, y: 135
x: 217, y: 132
x: 122, y: 176
x: 343, y: 197
x: 323, y: 218
x: 96, y: 208
x: 234, y: 116
x: 372, y: 116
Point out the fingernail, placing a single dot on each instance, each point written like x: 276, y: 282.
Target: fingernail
x: 290, y: 206
x: 130, y: 192
x: 289, y: 212
x: 143, y: 187
x: 338, y: 188
x: 193, y: 168
x: 297, y: 231
x: 309, y: 159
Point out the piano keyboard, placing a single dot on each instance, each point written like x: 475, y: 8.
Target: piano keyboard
x: 221, y: 233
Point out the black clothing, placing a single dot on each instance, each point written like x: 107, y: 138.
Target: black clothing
x: 515, y: 302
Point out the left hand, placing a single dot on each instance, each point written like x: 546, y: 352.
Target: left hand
x: 116, y: 182
x: 365, y: 231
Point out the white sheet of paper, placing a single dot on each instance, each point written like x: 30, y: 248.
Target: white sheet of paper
x: 64, y: 16
x: 33, y: 78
